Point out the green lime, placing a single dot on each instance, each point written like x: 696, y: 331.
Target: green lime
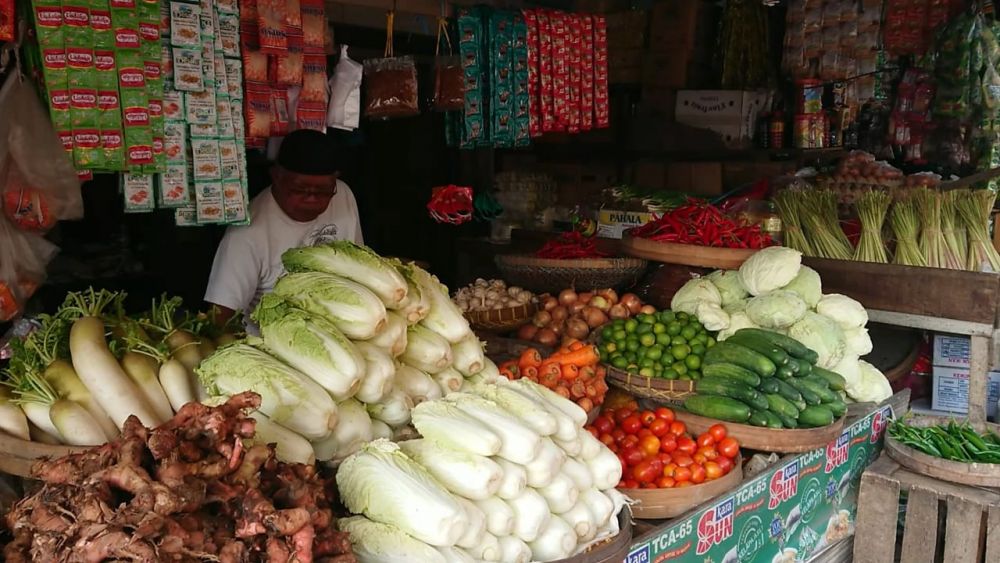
x: 679, y: 367
x: 696, y: 324
x: 689, y: 333
x: 692, y: 362
x: 685, y: 377
x: 646, y: 372
x: 607, y: 333
x: 680, y: 351
x: 641, y: 353
x: 620, y: 362
x: 644, y: 329
x: 654, y: 353
x: 695, y: 374
x: 647, y: 339
x: 620, y: 334
x: 647, y: 363
x: 701, y: 337
x: 710, y: 342
x: 632, y: 367
x: 674, y: 328
x: 610, y: 347
x: 667, y: 316
x: 659, y: 328
x: 683, y: 317
x: 678, y: 340
x: 666, y: 359
x: 630, y: 325
x: 632, y: 345
x: 663, y: 339
x: 698, y: 349
x: 670, y: 373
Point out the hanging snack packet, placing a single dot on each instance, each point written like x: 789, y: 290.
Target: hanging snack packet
x: 288, y: 67
x: 233, y: 201
x: 573, y: 31
x: 313, y: 23
x: 310, y: 115
x: 601, y: 100
x: 314, y: 77
x: 534, y: 88
x: 271, y: 26
x: 449, y: 78
x: 137, y: 190
x: 280, y: 115
x: 258, y: 111
x: 100, y: 24
x: 200, y: 107
x: 205, y: 160
x: 392, y: 88
x: 293, y: 14
x: 6, y: 20
x: 545, y: 71
x: 229, y: 34
x: 587, y: 74
x: 188, y: 70
x: 254, y: 61
x: 185, y: 24
x: 174, y: 186
x: 522, y: 97
x: 234, y: 77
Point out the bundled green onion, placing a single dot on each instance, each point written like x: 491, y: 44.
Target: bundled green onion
x: 823, y: 225
x: 955, y: 239
x: 974, y: 210
x: 932, y: 244
x: 872, y: 208
x: 789, y: 207
x: 905, y: 225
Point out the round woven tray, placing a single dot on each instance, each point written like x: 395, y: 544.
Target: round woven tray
x: 501, y: 320
x: 550, y: 275
x: 671, y: 391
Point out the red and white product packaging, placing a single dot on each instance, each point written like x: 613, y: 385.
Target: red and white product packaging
x: 586, y: 73
x: 534, y: 88
x: 545, y: 66
x: 601, y: 117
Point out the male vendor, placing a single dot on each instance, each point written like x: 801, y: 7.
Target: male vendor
x: 305, y: 205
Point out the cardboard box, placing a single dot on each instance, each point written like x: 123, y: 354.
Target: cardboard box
x: 951, y: 351
x: 627, y: 30
x: 681, y: 24
x: 950, y: 391
x: 611, y: 223
x: 732, y: 114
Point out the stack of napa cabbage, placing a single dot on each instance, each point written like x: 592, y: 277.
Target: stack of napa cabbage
x: 504, y: 472
x: 774, y: 291
x: 350, y: 343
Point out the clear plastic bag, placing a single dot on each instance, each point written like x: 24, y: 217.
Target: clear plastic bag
x: 344, y: 110
x: 23, y: 258
x: 38, y: 183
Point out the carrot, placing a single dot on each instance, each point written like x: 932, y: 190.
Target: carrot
x: 509, y: 364
x: 578, y: 390
x: 549, y: 378
x: 508, y: 374
x: 586, y: 404
x: 591, y: 391
x: 601, y: 371
x: 587, y: 373
x: 529, y: 357
x: 564, y: 392
x: 549, y: 367
x: 531, y: 372
x: 576, y: 345
x: 582, y: 357
x: 570, y: 372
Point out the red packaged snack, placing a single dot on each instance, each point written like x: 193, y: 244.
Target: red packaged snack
x: 293, y: 14
x: 573, y: 30
x: 545, y: 65
x: 288, y: 67
x: 280, y: 117
x: 313, y: 77
x: 601, y: 115
x: 311, y: 115
x: 254, y: 61
x: 534, y: 88
x: 313, y: 23
x: 271, y: 23
x: 560, y: 70
x: 586, y: 73
x: 6, y: 20
x: 258, y: 112
x: 248, y: 11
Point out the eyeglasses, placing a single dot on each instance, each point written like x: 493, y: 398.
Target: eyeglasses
x: 304, y: 193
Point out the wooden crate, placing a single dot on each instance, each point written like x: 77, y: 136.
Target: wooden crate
x: 941, y: 521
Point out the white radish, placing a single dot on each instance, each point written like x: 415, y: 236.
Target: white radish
x: 41, y: 436
x: 143, y: 371
x: 64, y: 380
x: 556, y: 541
x: 561, y: 493
x: 12, y: 418
x: 546, y: 465
x: 76, y: 426
x: 581, y: 520
x: 176, y: 383
x: 38, y: 414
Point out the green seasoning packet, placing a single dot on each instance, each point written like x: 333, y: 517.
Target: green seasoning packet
x: 501, y: 49
x: 81, y: 79
x: 470, y: 33
x: 519, y: 108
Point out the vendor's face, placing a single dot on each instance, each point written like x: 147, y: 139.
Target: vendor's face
x: 301, y: 196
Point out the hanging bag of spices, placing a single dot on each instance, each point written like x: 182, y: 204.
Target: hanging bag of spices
x: 392, y: 82
x: 449, y: 81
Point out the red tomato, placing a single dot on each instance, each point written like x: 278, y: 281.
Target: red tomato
x: 729, y: 447
x: 668, y: 443
x: 669, y: 469
x: 631, y: 424
x: 657, y: 465
x: 593, y: 431
x: 686, y: 445
x: 618, y: 434
x: 631, y: 484
x: 632, y: 456
x: 664, y: 483
x: 644, y: 472
x: 604, y: 424
x: 650, y: 485
x: 659, y: 427
x: 607, y: 439
x: 621, y: 459
x: 708, y: 453
x: 725, y: 464
x: 698, y: 458
x: 649, y: 445
x: 647, y: 417
x: 697, y: 473
x: 683, y: 484
x: 705, y: 440
x: 665, y: 414
x: 712, y: 470
x: 664, y: 458
x: 630, y: 440
x: 683, y: 460
x: 678, y: 428
x: 643, y: 432
x: 718, y: 431
x: 621, y: 414
x: 682, y: 474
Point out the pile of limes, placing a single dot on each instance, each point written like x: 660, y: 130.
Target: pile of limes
x: 666, y: 344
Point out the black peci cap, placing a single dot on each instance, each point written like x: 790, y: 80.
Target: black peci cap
x: 308, y: 152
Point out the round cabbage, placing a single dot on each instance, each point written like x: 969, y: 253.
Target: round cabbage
x: 712, y: 316
x: 778, y: 309
x: 850, y: 369
x: 736, y: 307
x: 737, y: 321
x: 876, y: 388
x: 858, y: 341
x: 729, y: 285
x: 698, y: 290
x: 770, y: 269
x: 847, y: 312
x: 822, y: 335
x: 808, y: 285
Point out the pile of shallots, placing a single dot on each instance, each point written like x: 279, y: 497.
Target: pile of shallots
x: 188, y: 490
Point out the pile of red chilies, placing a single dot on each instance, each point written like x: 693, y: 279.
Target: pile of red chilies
x: 702, y: 224
x: 568, y: 246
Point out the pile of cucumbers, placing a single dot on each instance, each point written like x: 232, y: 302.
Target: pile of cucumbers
x: 767, y: 379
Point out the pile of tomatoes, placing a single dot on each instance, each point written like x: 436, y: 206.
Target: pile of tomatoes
x: 657, y: 452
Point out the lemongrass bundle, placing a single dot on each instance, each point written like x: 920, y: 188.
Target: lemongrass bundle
x: 955, y: 241
x: 974, y: 210
x: 790, y: 210
x: 872, y: 208
x: 905, y: 222
x: 932, y: 244
x: 823, y: 225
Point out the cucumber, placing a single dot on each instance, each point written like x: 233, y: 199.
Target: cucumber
x: 785, y: 371
x: 808, y: 395
x: 788, y: 392
x: 722, y: 408
x: 819, y: 386
x: 815, y: 416
x: 733, y: 389
x: 766, y: 419
x: 833, y: 379
x: 774, y: 353
x: 787, y: 421
x: 779, y: 405
x: 731, y: 371
x: 768, y: 385
x: 726, y: 353
x: 805, y: 368
x: 790, y: 345
x: 800, y: 404
x: 838, y: 408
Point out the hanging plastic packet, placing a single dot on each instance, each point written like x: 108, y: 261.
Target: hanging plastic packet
x: 449, y: 80
x: 344, y: 110
x: 451, y: 204
x: 23, y: 258
x: 392, y: 82
x: 486, y: 207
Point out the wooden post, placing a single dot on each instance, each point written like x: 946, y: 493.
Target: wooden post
x: 979, y: 367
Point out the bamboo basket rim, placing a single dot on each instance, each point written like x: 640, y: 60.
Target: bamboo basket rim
x: 494, y: 318
x: 686, y: 254
x: 783, y: 440
x: 974, y: 474
x: 655, y: 388
x: 718, y: 487
x: 607, y: 263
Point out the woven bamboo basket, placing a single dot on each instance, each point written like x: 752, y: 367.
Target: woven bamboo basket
x: 669, y: 391
x: 501, y: 320
x: 542, y: 275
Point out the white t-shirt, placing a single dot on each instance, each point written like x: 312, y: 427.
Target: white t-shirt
x: 248, y: 261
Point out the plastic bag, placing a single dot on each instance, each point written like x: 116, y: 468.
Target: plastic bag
x: 23, y: 258
x: 392, y: 83
x: 344, y: 111
x: 38, y: 183
x: 449, y: 77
